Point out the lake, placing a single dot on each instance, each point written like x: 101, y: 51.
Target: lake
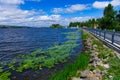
x: 15, y: 41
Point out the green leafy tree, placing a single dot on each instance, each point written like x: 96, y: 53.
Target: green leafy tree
x: 109, y: 12
x: 56, y: 26
x: 118, y: 16
x: 109, y: 18
x: 74, y: 24
x: 118, y: 21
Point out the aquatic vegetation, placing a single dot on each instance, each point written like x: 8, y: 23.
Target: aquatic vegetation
x: 5, y: 75
x: 58, y: 53
x: 49, y: 62
x: 81, y: 63
x: 73, y: 35
x: 1, y: 70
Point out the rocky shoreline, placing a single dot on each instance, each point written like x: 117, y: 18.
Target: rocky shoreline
x: 98, y: 64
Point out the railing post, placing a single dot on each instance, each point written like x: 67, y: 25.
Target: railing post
x: 96, y: 32
x: 113, y: 33
x: 104, y: 33
x: 99, y: 32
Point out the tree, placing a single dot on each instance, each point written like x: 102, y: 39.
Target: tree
x: 109, y: 12
x: 109, y: 17
x: 118, y: 16
x: 74, y: 24
x: 118, y: 21
x: 56, y: 26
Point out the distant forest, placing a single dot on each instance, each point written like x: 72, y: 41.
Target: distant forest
x: 8, y: 26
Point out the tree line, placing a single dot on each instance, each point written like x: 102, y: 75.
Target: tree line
x: 56, y: 26
x: 110, y: 20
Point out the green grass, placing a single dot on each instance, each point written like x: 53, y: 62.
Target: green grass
x: 105, y: 52
x: 92, y: 68
x: 97, y: 42
x: 115, y: 67
x: 81, y: 63
x: 84, y: 35
x: 101, y: 68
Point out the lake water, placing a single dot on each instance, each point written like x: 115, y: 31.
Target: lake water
x: 15, y: 41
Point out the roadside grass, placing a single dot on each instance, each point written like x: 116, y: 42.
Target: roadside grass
x: 115, y: 68
x: 110, y: 58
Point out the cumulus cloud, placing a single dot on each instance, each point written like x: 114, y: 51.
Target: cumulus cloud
x: 11, y: 14
x: 71, y: 9
x: 34, y: 0
x: 115, y: 2
x: 103, y: 4
x: 11, y: 2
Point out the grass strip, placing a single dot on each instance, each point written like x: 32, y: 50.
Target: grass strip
x: 81, y: 63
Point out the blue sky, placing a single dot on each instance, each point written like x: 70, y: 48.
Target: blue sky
x: 43, y: 13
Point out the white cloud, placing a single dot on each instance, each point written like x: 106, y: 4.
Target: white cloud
x: 47, y: 18
x: 103, y: 4
x: 58, y: 10
x: 71, y: 9
x: 98, y: 4
x: 11, y: 1
x: 115, y: 2
x: 34, y: 0
x: 76, y: 7
x: 11, y: 14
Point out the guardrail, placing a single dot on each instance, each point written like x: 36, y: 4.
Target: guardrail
x: 111, y: 36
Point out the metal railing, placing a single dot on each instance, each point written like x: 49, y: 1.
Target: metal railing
x: 111, y: 36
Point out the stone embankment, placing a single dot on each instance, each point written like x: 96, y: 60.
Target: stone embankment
x: 98, y: 64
